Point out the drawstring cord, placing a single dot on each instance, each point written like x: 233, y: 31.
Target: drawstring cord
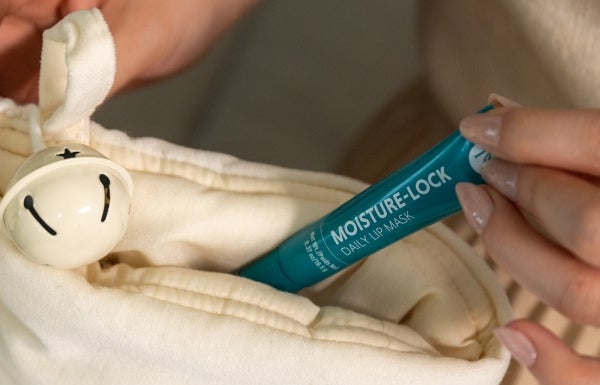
x: 8, y: 107
x: 35, y: 130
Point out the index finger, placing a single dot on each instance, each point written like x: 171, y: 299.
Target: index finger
x: 3, y: 9
x: 565, y: 139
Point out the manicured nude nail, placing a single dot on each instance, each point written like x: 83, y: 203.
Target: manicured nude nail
x: 518, y: 344
x: 482, y: 129
x: 476, y: 203
x: 501, y: 101
x: 502, y: 175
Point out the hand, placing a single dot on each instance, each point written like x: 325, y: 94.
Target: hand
x: 153, y: 38
x: 21, y: 25
x: 539, y: 220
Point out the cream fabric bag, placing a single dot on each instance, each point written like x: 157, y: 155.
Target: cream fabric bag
x: 161, y: 309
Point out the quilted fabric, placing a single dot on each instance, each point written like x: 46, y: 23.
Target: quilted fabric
x: 164, y: 308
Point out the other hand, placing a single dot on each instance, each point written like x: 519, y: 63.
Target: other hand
x: 539, y: 219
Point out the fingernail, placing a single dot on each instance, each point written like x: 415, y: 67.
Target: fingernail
x: 482, y: 129
x: 502, y: 175
x: 518, y: 344
x: 476, y: 203
x: 501, y: 101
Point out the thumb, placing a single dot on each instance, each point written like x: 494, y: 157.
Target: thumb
x: 69, y: 6
x: 546, y: 356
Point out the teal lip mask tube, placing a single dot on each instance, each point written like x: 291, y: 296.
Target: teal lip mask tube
x: 404, y: 202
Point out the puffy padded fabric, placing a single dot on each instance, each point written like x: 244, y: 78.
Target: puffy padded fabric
x: 163, y: 308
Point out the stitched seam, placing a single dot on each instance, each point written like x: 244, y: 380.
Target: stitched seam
x: 312, y: 332
x: 174, y: 168
x: 472, y: 314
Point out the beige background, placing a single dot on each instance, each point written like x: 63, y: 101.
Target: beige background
x: 291, y: 85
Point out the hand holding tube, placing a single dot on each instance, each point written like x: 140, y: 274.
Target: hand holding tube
x: 547, y: 168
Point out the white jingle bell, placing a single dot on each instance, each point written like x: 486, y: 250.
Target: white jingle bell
x: 67, y: 206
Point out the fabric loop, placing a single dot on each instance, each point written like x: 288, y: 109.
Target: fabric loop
x: 77, y: 71
x: 161, y: 308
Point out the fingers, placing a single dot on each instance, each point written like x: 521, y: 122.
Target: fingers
x: 4, y: 8
x: 540, y: 222
x: 552, y: 178
x: 566, y: 206
x: 68, y: 6
x: 537, y: 263
x: 44, y: 13
x: 19, y: 65
x: 567, y: 139
x: 38, y: 13
x: 548, y: 359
